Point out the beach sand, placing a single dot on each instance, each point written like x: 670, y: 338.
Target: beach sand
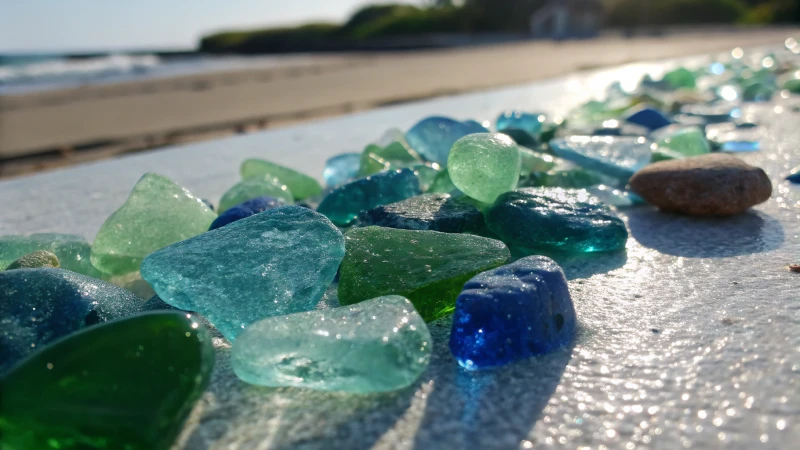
x: 73, y: 125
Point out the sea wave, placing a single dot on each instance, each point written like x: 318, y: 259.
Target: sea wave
x: 33, y: 72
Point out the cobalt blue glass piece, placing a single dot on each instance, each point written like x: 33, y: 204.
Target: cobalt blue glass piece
x: 341, y: 168
x: 511, y: 313
x: 433, y: 136
x: 38, y: 306
x: 343, y: 204
x: 246, y: 209
x: 650, y: 118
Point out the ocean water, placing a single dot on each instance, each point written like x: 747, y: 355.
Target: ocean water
x: 24, y: 73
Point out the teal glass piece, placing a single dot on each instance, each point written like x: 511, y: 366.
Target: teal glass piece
x: 555, y: 219
x: 378, y: 345
x: 529, y: 123
x: 277, y: 262
x: 432, y: 137
x: 343, y: 204
x: 38, y: 306
x: 618, y: 157
x: 341, y: 168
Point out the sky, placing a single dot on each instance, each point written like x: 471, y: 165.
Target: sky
x: 88, y: 25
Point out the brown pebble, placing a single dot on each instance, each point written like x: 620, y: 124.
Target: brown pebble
x: 794, y: 268
x: 717, y: 184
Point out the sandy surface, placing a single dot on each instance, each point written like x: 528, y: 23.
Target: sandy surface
x: 141, y: 114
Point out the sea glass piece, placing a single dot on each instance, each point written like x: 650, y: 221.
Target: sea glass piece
x: 555, y: 219
x: 300, y: 185
x: 618, y: 157
x: 38, y: 306
x: 378, y: 345
x: 433, y: 136
x: 437, y: 212
x: 254, y: 187
x: 484, y: 165
x: 246, y: 209
x: 276, y: 262
x: 427, y: 267
x: 511, y: 313
x: 343, y: 204
x: 127, y: 384
x: 341, y: 168
x: 157, y: 213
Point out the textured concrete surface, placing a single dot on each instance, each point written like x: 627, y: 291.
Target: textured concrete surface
x: 688, y: 339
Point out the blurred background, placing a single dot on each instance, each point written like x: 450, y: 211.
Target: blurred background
x: 91, y: 79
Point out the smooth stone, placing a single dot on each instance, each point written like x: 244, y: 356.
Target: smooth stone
x: 276, y: 262
x: 343, y: 204
x: 35, y: 260
x: 533, y: 161
x: 72, y: 251
x: 255, y: 187
x: 511, y: 313
x: 484, y: 165
x: 246, y: 209
x: 437, y: 212
x: 555, y: 219
x: 432, y: 137
x: 301, y: 185
x: 618, y: 157
x: 710, y: 185
x: 341, y: 168
x: 378, y: 345
x: 157, y: 213
x: 38, y: 306
x: 126, y: 384
x: 427, y: 267
x: 650, y: 118
x: 688, y: 141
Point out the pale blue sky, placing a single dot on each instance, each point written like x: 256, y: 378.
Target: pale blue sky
x: 70, y: 25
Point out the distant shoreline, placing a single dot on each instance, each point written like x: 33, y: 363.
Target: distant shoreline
x: 65, y: 126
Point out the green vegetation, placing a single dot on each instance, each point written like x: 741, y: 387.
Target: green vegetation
x: 379, y: 24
